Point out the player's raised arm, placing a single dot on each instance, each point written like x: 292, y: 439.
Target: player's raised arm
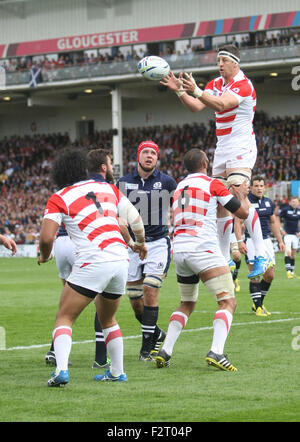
x: 176, y: 85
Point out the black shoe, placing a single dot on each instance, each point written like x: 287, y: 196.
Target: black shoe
x: 102, y: 366
x: 159, y: 340
x: 219, y: 361
x: 50, y: 359
x: 146, y: 357
x: 162, y: 359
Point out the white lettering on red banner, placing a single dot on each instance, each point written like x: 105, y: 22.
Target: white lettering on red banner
x: 97, y: 40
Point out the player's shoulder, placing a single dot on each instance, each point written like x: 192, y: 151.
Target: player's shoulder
x: 242, y: 85
x: 217, y: 188
x: 215, y: 83
x: 127, y: 178
x: 167, y: 179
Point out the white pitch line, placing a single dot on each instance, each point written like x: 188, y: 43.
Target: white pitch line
x: 90, y: 341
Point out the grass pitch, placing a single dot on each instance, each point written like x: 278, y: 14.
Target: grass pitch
x: 265, y: 351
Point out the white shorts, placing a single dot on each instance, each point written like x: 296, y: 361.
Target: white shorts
x: 235, y: 158
x: 291, y: 242
x: 64, y: 253
x: 109, y: 277
x: 268, y: 248
x: 156, y: 263
x: 188, y: 264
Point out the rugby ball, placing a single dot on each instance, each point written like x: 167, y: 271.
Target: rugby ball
x: 153, y: 68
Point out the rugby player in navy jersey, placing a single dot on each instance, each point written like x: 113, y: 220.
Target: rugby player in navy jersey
x: 264, y: 207
x: 290, y: 215
x: 150, y: 191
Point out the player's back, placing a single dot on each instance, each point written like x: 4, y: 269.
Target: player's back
x: 89, y: 210
x: 195, y: 212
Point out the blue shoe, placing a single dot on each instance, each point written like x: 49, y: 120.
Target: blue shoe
x: 107, y: 376
x: 260, y: 265
x: 59, y: 379
x: 231, y: 264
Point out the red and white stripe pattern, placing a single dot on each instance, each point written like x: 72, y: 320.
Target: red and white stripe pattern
x: 236, y: 121
x: 195, y: 212
x: 62, y: 342
x: 114, y: 343
x: 89, y: 210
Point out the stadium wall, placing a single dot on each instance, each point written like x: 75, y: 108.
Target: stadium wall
x: 161, y: 108
x: 34, y: 20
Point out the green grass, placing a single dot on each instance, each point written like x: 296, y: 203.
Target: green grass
x: 265, y: 388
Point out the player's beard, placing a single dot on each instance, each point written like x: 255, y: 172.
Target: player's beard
x: 147, y: 169
x: 109, y: 177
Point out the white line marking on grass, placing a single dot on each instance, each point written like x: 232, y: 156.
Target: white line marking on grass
x: 90, y: 341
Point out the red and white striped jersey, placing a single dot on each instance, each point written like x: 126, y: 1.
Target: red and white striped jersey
x: 195, y: 213
x: 89, y: 211
x: 236, y: 121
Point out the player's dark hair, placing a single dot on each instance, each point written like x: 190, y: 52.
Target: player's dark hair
x: 194, y: 160
x: 95, y: 158
x: 232, y: 49
x: 257, y: 178
x: 69, y: 167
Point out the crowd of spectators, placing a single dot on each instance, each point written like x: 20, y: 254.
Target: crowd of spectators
x: 25, y: 162
x: 114, y: 54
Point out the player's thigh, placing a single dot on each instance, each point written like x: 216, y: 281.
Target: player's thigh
x: 71, y: 305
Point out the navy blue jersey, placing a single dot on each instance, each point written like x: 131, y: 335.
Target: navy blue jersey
x: 265, y: 209
x: 152, y: 198
x: 62, y: 230
x: 290, y: 219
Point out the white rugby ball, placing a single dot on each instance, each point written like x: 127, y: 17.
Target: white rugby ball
x: 153, y: 67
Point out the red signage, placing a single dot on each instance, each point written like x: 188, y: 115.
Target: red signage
x: 101, y: 40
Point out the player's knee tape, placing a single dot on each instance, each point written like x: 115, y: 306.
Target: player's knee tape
x: 237, y: 177
x: 153, y: 281
x: 134, y: 291
x: 221, y: 287
x: 188, y: 292
x: 234, y: 247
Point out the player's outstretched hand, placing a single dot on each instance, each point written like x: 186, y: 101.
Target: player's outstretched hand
x: 141, y: 250
x: 9, y: 244
x: 171, y: 82
x: 188, y: 82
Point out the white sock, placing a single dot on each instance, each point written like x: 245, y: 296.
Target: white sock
x: 62, y: 341
x: 177, y: 322
x: 114, y: 344
x: 224, y: 227
x: 253, y: 226
x: 221, y: 324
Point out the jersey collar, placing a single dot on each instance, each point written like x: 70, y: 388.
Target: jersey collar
x: 154, y: 173
x: 97, y: 177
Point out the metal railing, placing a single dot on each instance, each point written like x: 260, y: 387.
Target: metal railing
x: 177, y: 62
